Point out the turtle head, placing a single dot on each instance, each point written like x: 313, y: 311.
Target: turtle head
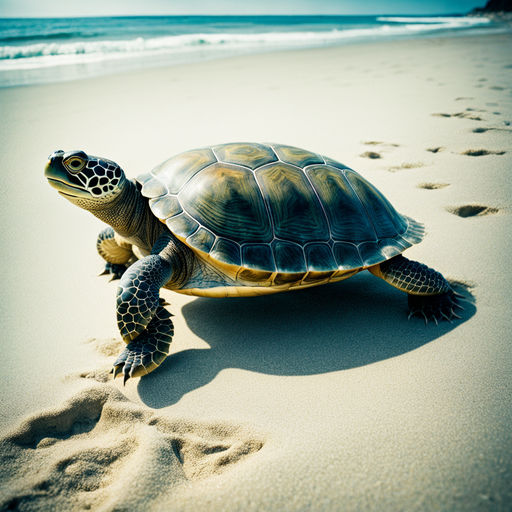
x: 87, y: 181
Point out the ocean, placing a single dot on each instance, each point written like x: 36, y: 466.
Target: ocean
x: 43, y: 50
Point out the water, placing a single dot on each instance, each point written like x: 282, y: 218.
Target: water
x: 54, y: 49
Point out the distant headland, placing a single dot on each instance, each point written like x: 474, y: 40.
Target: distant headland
x: 494, y: 6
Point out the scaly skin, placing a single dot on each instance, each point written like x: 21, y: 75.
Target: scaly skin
x: 429, y: 293
x: 413, y: 277
x: 138, y: 294
x: 149, y: 349
x: 144, y: 324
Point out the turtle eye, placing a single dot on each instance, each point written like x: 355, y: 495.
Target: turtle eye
x: 74, y: 164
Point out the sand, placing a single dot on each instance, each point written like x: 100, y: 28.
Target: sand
x: 322, y: 399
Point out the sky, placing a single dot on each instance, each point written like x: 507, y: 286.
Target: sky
x: 54, y: 8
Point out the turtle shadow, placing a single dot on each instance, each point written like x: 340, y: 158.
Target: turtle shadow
x: 324, y: 329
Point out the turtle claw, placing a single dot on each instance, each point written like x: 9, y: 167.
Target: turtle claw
x: 446, y: 317
x: 116, y: 370
x: 114, y: 270
x: 435, y: 307
x: 147, y: 351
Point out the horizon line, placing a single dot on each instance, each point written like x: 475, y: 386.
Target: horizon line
x: 232, y: 15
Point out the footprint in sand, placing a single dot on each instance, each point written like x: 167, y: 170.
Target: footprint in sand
x: 405, y: 165
x: 481, y: 152
x: 108, y: 347
x: 497, y: 88
x: 436, y: 149
x: 489, y: 128
x: 371, y: 154
x: 461, y: 98
x: 100, y: 450
x: 380, y: 143
x: 432, y: 186
x: 464, y: 115
x: 472, y: 210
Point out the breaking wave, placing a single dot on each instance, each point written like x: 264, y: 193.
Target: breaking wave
x: 44, y: 54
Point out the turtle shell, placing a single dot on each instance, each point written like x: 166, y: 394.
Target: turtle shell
x: 276, y: 209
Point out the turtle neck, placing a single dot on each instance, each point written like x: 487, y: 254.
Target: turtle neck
x: 130, y: 216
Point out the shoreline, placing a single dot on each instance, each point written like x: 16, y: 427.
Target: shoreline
x: 108, y: 67
x: 278, y: 53
x: 336, y: 400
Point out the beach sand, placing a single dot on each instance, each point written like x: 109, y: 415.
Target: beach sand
x: 322, y: 399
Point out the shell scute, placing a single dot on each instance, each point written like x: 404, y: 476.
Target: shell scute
x: 182, y: 225
x: 334, y: 163
x: 347, y: 256
x: 386, y: 220
x: 254, y: 276
x: 165, y: 206
x: 258, y: 256
x: 370, y: 253
x: 296, y: 156
x: 289, y: 257
x: 319, y: 257
x: 315, y: 276
x: 227, y: 201
x: 227, y: 251
x: 246, y: 154
x: 289, y: 279
x: 347, y: 217
x: 390, y: 247
x: 153, y: 187
x: 296, y: 211
x: 178, y: 170
x: 202, y: 240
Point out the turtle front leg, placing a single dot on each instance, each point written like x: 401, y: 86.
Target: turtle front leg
x: 149, y: 349
x: 116, y: 253
x: 145, y: 326
x: 429, y: 293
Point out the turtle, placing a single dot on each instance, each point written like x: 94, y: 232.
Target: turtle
x: 239, y: 219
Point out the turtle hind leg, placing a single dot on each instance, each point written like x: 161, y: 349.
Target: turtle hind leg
x: 142, y: 355
x: 429, y: 294
x: 435, y: 307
